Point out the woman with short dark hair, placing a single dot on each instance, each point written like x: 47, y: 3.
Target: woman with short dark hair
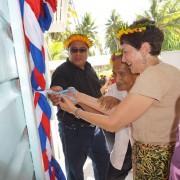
x: 151, y: 105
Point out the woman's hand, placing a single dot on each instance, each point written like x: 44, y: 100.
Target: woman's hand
x: 66, y: 104
x: 74, y: 94
x: 55, y: 98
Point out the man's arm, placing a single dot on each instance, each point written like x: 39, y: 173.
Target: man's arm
x: 108, y: 102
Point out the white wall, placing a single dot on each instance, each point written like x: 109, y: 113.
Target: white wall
x: 171, y: 57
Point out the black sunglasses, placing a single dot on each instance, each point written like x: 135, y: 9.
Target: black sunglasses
x: 75, y: 50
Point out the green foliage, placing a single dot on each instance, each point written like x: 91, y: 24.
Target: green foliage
x: 165, y: 12
x: 111, y: 43
x: 171, y: 43
x: 114, y: 23
x: 89, y: 28
x: 57, y: 50
x: 167, y: 15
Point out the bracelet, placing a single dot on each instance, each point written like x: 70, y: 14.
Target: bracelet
x: 76, y: 111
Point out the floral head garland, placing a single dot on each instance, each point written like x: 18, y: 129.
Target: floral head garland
x: 130, y: 30
x: 78, y: 37
x: 115, y: 56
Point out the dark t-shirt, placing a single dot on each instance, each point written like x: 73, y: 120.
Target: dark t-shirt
x: 85, y: 81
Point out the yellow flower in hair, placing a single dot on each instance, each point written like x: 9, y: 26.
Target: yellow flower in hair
x: 118, y: 53
x: 115, y: 56
x: 112, y: 59
x: 130, y: 31
x: 78, y: 37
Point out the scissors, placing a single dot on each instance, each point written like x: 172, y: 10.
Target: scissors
x: 49, y: 91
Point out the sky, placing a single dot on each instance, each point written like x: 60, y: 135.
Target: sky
x: 101, y: 9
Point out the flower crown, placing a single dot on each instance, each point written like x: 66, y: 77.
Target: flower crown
x: 125, y: 29
x: 130, y: 31
x: 78, y: 37
x: 115, y: 56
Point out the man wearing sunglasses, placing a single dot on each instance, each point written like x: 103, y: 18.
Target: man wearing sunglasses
x: 79, y: 138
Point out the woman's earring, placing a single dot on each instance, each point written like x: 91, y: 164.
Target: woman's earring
x: 144, y: 61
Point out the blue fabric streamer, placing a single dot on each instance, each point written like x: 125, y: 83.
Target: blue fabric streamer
x: 38, y: 58
x: 43, y: 103
x: 45, y: 22
x: 58, y: 171
x: 22, y: 8
x: 33, y: 81
x: 42, y: 136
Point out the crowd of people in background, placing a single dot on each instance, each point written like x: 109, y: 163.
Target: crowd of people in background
x: 102, y: 80
x: 109, y: 81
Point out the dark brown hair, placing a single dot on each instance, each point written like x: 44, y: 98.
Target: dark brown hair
x: 153, y: 35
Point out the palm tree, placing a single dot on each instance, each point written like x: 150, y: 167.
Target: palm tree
x: 166, y: 13
x: 112, y: 26
x: 88, y: 27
